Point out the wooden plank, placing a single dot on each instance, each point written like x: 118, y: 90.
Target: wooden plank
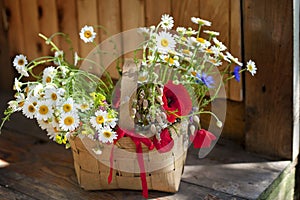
x: 15, y: 25
x: 269, y: 105
x: 67, y: 13
x: 229, y: 169
x: 109, y: 17
x: 131, y: 20
x: 154, y: 9
x: 235, y: 88
x: 7, y: 71
x: 32, y: 43
x: 184, y: 10
x: 87, y: 15
x: 48, y: 23
x: 217, y: 12
x: 7, y: 193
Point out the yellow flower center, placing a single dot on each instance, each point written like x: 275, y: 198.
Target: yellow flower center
x: 67, y: 107
x: 21, y: 62
x: 250, y: 67
x: 100, y: 119
x: 164, y: 42
x: 21, y: 104
x: 170, y: 60
x: 186, y: 51
x: 209, y: 51
x: 53, y: 96
x: 43, y: 110
x: 201, y: 40
x: 84, y: 106
x: 107, y: 134
x: 69, y: 120
x: 87, y: 34
x: 31, y: 108
x: 48, y: 79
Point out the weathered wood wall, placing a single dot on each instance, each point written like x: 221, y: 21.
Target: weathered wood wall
x: 24, y: 19
x: 268, y: 28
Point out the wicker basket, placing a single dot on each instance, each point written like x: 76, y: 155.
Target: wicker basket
x: 92, y: 172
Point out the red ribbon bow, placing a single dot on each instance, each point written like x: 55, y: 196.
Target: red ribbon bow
x: 138, y: 143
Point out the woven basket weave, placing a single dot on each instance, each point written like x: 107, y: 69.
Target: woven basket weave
x: 92, y: 172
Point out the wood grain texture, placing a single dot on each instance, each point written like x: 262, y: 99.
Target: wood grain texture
x: 87, y: 15
x: 48, y: 23
x: 154, y: 9
x: 182, y: 12
x: 109, y: 17
x: 32, y: 43
x: 235, y: 40
x: 268, y: 41
x: 67, y: 23
x: 5, y: 81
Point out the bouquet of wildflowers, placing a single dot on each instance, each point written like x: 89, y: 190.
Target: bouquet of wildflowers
x: 175, y: 75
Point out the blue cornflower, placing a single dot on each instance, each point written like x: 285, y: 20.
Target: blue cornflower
x: 236, y: 73
x: 208, y: 81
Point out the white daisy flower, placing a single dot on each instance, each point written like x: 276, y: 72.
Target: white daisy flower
x: 251, y: 67
x: 111, y: 120
x: 211, y: 33
x: 44, y: 110
x: 233, y: 59
x: 100, y: 118
x: 165, y: 42
x: 68, y: 105
x: 29, y: 110
x: 20, y: 63
x: 44, y: 124
x: 200, y: 22
x: 36, y: 90
x: 172, y: 61
x: 85, y: 105
x: 69, y: 121
x: 76, y: 58
x: 167, y: 22
x: 17, y: 85
x: 87, y: 34
x: 107, y: 135
x: 52, y: 132
x: 219, y: 44
x: 52, y: 94
x: 190, y: 32
x: 215, y: 61
x: 48, y: 74
x: 59, y: 56
x: 64, y: 70
x: 181, y: 30
x: 203, y: 43
x: 17, y: 104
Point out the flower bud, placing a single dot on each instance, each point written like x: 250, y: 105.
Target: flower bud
x: 219, y: 124
x: 196, y: 119
x: 163, y: 116
x: 145, y: 104
x: 153, y: 129
x: 159, y: 100
x: 158, y: 119
x: 192, y: 129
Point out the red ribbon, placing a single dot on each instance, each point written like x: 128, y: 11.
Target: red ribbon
x: 138, y: 140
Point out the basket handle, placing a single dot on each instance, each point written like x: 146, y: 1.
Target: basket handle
x: 128, y: 93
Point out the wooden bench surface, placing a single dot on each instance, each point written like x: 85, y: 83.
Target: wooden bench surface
x: 41, y: 169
